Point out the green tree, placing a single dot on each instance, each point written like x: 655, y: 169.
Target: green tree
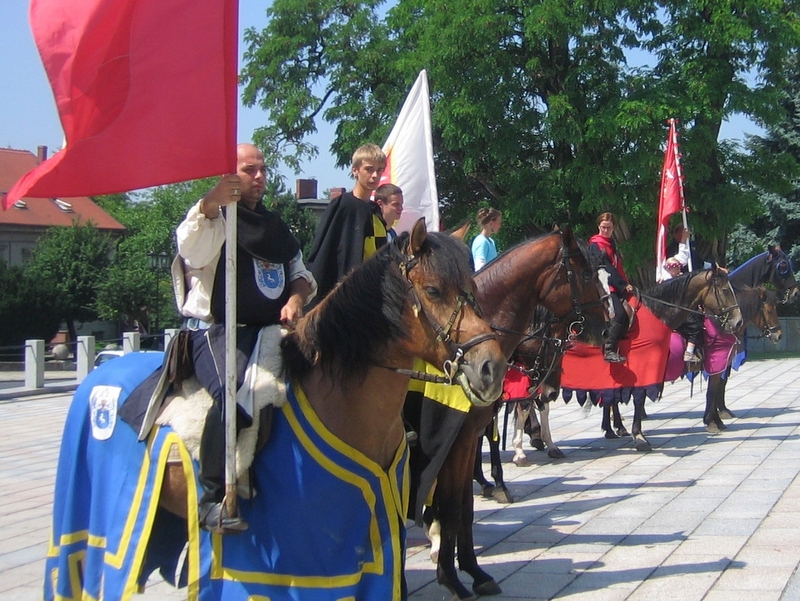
x: 72, y: 261
x: 26, y: 310
x: 537, y: 109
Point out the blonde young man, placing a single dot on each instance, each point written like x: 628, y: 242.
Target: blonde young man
x: 351, y: 229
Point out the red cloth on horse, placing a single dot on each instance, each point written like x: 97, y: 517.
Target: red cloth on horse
x: 646, y: 346
x: 516, y: 385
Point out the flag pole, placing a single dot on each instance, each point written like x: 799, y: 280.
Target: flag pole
x: 679, y: 172
x: 230, y: 357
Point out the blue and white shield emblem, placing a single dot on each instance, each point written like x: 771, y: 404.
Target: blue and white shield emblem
x: 270, y: 278
x: 103, y: 402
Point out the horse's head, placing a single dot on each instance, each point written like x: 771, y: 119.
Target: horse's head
x: 444, y: 324
x: 712, y: 292
x: 766, y: 319
x: 780, y: 274
x: 541, y: 352
x: 584, y: 290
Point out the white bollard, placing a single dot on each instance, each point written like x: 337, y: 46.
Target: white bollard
x: 130, y: 342
x: 85, y: 358
x: 34, y: 364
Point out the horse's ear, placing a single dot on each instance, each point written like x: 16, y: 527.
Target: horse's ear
x: 566, y: 235
x: 419, y: 233
x: 461, y: 231
x: 556, y: 228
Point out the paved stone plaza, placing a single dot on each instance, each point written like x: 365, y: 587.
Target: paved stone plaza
x: 700, y: 517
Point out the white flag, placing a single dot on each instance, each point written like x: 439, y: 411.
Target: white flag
x: 409, y: 154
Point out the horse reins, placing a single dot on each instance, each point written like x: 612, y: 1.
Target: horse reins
x: 457, y: 351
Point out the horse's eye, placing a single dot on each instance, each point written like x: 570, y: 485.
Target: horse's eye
x: 587, y: 275
x: 782, y: 267
x: 433, y: 292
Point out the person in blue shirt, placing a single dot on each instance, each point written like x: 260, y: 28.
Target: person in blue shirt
x: 483, y: 247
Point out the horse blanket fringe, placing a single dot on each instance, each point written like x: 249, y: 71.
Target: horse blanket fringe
x: 326, y: 523
x: 646, y: 346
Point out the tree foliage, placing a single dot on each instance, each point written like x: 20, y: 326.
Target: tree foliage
x: 26, y: 310
x: 72, y: 262
x: 551, y: 110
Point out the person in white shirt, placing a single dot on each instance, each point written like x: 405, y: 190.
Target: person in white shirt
x: 273, y: 286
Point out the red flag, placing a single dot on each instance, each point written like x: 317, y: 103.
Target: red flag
x: 146, y: 93
x: 670, y: 199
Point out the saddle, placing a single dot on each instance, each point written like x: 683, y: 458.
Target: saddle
x: 185, y: 409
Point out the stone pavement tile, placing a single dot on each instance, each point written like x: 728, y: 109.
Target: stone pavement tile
x: 614, y: 525
x: 727, y: 527
x: 753, y: 578
x: 626, y: 579
x: 21, y: 557
x: 640, y: 556
x: 673, y: 520
x: 26, y: 593
x: 769, y: 557
x: 526, y: 584
x: 782, y: 519
x: 720, y: 546
x: 723, y: 595
x: 674, y: 587
x: 775, y: 536
x: 559, y: 561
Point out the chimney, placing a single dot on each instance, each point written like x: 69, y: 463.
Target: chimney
x: 335, y: 192
x: 306, y: 188
x: 41, y: 153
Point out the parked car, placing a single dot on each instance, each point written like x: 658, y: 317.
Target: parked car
x: 104, y: 356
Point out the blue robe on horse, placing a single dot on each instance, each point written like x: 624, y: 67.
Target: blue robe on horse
x: 300, y: 544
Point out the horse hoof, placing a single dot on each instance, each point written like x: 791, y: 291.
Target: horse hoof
x: 622, y: 432
x: 487, y: 588
x: 726, y: 414
x: 555, y: 453
x: 610, y: 435
x: 537, y: 444
x: 457, y: 598
x: 712, y: 429
x: 521, y: 461
x: 643, y: 445
x: 502, y: 496
x: 487, y: 492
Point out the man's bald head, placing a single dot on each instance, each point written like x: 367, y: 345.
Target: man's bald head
x: 251, y: 169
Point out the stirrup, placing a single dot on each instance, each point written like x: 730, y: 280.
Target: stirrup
x: 691, y: 357
x: 214, y: 518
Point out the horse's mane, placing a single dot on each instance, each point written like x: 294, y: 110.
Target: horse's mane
x: 355, y: 325
x: 760, y: 270
x: 670, y: 291
x: 749, y: 300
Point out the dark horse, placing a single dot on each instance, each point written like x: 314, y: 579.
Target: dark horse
x: 670, y: 304
x: 759, y: 307
x: 327, y: 519
x: 771, y: 267
x: 538, y: 359
x: 553, y: 271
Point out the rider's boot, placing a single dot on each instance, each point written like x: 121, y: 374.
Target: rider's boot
x: 610, y: 352
x: 213, y: 511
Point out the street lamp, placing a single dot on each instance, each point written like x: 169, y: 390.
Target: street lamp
x: 158, y: 263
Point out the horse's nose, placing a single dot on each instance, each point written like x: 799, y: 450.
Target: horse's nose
x: 492, y: 371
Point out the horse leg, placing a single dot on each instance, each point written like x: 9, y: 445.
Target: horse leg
x: 619, y: 426
x: 483, y: 583
x: 534, y: 430
x: 552, y: 450
x: 641, y: 443
x: 724, y: 412
x: 606, y: 423
x: 453, y: 485
x: 477, y: 471
x: 712, y: 418
x: 433, y: 532
x: 500, y: 492
x: 521, y: 416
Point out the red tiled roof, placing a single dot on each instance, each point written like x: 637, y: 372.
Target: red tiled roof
x: 44, y: 212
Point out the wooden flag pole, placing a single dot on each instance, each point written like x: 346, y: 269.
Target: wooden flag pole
x: 230, y: 357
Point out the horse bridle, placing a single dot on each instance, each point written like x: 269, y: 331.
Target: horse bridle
x: 560, y: 347
x: 457, y: 351
x: 724, y: 315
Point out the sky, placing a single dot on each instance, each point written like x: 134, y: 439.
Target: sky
x: 28, y: 116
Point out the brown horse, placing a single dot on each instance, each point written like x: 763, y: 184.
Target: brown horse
x: 347, y: 369
x: 554, y: 271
